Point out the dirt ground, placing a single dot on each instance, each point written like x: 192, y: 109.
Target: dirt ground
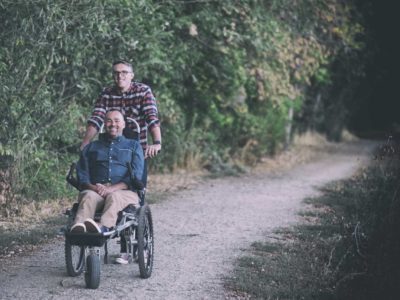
x: 200, y: 230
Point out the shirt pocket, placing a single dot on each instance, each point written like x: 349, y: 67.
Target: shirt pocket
x: 123, y: 156
x: 97, y: 156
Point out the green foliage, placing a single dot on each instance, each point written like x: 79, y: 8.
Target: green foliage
x: 226, y: 75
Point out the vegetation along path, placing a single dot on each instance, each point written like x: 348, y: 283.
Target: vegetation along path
x: 199, y: 232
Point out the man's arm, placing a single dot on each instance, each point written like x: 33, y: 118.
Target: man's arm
x: 82, y: 168
x: 96, y: 120
x: 153, y: 123
x: 152, y: 150
x: 137, y: 163
x: 90, y: 133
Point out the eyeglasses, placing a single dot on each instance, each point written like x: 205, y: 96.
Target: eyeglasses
x: 122, y: 73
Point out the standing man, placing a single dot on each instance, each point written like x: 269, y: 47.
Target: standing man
x: 135, y: 100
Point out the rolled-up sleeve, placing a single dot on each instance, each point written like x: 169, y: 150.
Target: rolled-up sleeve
x: 99, y: 111
x: 149, y: 109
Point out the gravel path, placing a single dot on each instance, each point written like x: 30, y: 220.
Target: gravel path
x: 198, y: 235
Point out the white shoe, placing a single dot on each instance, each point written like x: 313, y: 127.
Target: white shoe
x: 91, y: 226
x: 123, y: 259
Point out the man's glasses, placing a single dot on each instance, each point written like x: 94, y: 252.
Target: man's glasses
x: 122, y: 73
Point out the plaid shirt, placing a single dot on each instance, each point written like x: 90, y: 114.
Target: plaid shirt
x: 137, y: 103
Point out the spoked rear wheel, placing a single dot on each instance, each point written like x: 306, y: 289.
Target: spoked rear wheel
x: 74, y: 259
x: 145, y: 239
x: 92, y: 274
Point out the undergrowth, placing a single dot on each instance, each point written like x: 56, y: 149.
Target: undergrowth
x: 21, y: 238
x: 347, y: 248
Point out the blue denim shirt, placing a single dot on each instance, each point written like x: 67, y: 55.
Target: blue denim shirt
x: 106, y: 161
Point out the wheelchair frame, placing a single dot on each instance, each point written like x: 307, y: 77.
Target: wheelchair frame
x: 83, y: 250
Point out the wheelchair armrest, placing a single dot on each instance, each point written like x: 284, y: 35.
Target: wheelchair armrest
x: 142, y: 194
x: 137, y: 185
x: 71, y: 179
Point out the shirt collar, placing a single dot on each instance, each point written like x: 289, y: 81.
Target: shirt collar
x: 118, y: 92
x: 105, y: 138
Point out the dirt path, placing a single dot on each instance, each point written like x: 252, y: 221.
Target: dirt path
x: 198, y: 234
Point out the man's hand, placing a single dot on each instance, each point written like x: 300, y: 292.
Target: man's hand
x: 152, y: 150
x: 90, y: 133
x: 103, y: 190
x: 83, y: 145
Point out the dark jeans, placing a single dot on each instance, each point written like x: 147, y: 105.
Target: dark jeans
x: 144, y: 180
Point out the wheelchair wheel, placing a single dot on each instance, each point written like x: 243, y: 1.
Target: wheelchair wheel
x: 92, y: 274
x: 145, y: 242
x: 74, y: 259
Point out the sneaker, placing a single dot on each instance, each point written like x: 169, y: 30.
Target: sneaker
x: 91, y: 226
x: 78, y: 227
x: 123, y: 259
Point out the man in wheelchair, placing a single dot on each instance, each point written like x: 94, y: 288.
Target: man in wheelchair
x: 106, y: 171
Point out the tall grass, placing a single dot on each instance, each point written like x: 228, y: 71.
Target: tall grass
x: 348, y: 247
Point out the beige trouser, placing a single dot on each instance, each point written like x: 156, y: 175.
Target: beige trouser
x: 90, y: 202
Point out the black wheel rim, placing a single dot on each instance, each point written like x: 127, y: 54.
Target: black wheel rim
x: 77, y: 257
x: 74, y: 258
x: 148, y: 244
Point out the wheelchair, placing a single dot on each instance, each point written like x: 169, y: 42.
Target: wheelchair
x: 135, y: 225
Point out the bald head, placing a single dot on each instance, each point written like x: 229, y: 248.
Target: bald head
x: 114, y: 123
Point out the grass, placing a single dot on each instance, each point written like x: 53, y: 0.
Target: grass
x: 34, y: 224
x: 21, y: 237
x: 347, y: 248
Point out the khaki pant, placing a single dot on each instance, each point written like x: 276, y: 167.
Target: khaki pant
x: 90, y: 202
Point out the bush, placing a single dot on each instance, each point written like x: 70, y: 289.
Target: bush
x: 227, y: 76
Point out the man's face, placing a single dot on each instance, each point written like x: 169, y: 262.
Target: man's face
x: 114, y: 124
x: 123, y: 76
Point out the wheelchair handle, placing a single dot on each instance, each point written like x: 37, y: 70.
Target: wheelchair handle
x: 136, y: 124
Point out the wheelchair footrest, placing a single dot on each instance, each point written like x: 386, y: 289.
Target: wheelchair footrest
x: 86, y: 239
